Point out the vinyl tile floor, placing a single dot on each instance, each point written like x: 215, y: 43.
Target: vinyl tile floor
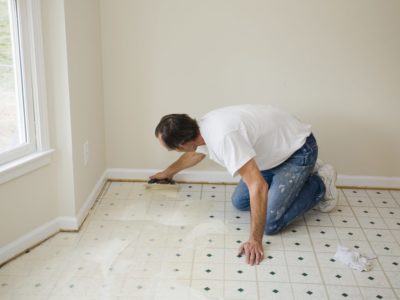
x: 142, y: 244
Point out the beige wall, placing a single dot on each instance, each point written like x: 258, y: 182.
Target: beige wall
x: 334, y: 64
x: 71, y: 38
x: 86, y: 95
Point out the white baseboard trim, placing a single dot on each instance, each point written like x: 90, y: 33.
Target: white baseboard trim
x: 369, y: 182
x: 44, y: 231
x: 224, y: 177
x: 84, y: 211
x: 28, y: 240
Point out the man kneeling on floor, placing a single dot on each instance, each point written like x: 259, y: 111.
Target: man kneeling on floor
x: 275, y: 155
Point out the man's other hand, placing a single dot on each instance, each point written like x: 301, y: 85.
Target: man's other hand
x: 253, y: 250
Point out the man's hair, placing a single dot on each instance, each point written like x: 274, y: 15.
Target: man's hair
x: 177, y: 129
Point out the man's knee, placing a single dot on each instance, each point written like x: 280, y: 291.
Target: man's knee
x: 272, y: 228
x: 240, y: 203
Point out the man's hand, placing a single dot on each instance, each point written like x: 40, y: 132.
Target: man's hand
x: 162, y: 175
x: 253, y: 250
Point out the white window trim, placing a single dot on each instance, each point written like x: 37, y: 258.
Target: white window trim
x: 42, y: 155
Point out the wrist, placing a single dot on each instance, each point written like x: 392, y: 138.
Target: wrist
x: 255, y: 239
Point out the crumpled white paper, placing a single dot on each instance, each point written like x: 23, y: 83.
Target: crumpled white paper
x: 353, y: 259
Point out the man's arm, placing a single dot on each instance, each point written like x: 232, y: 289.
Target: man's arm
x: 186, y: 160
x: 258, y: 189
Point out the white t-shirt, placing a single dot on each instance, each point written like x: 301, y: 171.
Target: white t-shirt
x: 236, y: 134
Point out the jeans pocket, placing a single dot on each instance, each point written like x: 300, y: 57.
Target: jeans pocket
x: 306, y: 155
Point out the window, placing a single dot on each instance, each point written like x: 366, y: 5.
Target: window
x: 23, y: 122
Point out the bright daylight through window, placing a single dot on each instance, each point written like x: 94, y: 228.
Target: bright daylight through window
x: 12, y: 111
x: 23, y: 128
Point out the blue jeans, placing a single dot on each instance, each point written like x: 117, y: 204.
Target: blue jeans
x: 293, y: 188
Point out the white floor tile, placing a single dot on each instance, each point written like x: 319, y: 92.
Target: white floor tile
x: 371, y: 279
x: 343, y: 292
x: 145, y: 244
x: 301, y: 259
x: 342, y: 277
x: 354, y: 234
x: 377, y: 293
x: 307, y: 275
x: 360, y: 201
x: 272, y: 273
x: 275, y: 290
x: 240, y: 290
x: 207, y: 289
x: 240, y: 272
x: 309, y: 291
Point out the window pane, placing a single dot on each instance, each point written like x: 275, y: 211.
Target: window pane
x: 12, y: 128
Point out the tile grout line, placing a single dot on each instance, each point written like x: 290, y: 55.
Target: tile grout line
x: 194, y: 250
x: 316, y: 258
x: 377, y: 259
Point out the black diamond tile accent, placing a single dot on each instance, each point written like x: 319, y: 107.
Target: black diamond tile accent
x: 309, y: 292
x: 275, y: 291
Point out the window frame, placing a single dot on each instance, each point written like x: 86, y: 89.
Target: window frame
x: 28, y: 41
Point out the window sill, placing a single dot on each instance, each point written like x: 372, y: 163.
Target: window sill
x: 24, y: 165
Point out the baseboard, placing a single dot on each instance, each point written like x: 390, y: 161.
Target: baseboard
x: 28, y: 240
x: 369, y: 182
x: 224, y: 177
x: 44, y: 231
x: 84, y: 211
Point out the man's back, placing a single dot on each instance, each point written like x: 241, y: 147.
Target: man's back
x: 235, y: 134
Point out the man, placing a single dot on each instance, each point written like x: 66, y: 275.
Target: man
x: 273, y: 152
